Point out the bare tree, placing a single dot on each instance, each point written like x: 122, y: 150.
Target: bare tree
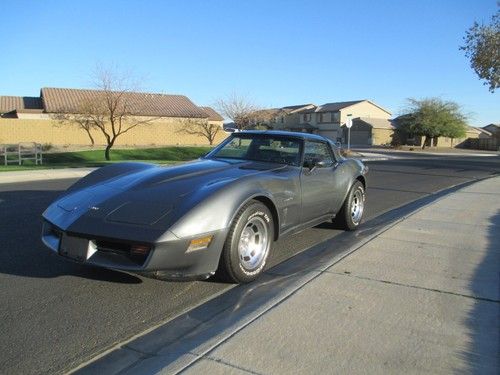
x: 113, y: 109
x: 81, y: 121
x: 202, y: 128
x: 239, y: 109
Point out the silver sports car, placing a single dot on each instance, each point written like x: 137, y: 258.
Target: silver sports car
x: 220, y: 213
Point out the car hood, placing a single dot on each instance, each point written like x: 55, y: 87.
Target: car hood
x: 147, y: 196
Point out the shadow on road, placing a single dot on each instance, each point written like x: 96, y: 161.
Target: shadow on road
x: 22, y: 252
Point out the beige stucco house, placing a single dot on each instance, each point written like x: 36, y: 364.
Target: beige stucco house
x: 371, y: 124
x: 366, y: 131
x: 329, y: 119
x: 33, y: 119
x: 489, y: 138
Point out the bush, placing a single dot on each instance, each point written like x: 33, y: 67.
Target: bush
x: 47, y: 147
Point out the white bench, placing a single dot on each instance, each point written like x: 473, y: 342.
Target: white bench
x: 20, y: 152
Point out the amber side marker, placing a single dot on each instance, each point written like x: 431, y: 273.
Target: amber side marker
x: 200, y: 243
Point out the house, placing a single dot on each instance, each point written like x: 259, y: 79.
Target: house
x: 283, y: 118
x: 489, y: 138
x: 493, y: 129
x: 213, y: 117
x: 366, y: 131
x: 20, y: 107
x: 483, y: 133
x: 328, y: 119
x: 34, y: 119
x: 405, y: 138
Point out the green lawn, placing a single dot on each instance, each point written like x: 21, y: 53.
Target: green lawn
x: 95, y: 158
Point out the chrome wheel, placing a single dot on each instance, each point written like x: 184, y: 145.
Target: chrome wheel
x: 357, y: 206
x: 253, y: 243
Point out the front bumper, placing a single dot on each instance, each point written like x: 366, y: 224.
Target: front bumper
x: 170, y: 258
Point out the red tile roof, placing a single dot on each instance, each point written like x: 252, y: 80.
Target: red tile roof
x: 140, y: 104
x: 20, y: 104
x: 212, y: 114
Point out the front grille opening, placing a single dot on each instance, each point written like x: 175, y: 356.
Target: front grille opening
x: 113, y: 247
x: 54, y: 231
x: 120, y: 248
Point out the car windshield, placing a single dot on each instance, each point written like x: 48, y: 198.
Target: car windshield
x: 272, y: 149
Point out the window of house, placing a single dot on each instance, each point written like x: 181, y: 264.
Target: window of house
x: 306, y: 117
x: 320, y: 117
x: 335, y: 117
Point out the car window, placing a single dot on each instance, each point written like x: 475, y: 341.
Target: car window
x: 280, y: 150
x: 317, y: 151
x: 235, y: 148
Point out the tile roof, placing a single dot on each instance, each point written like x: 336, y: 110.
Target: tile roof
x: 332, y: 107
x: 483, y: 130
x: 295, y: 108
x: 472, y: 129
x: 140, y: 104
x: 20, y: 104
x: 337, y: 106
x: 212, y: 114
x: 492, y: 128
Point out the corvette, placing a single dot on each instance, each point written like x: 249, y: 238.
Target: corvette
x: 220, y: 213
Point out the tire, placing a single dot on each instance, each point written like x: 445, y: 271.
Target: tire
x: 248, y: 244
x: 351, y: 213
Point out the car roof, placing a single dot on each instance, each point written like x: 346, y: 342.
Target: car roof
x: 284, y: 133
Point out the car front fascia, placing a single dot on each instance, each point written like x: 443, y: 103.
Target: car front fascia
x: 169, y: 257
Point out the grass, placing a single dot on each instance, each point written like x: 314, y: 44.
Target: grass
x: 95, y: 158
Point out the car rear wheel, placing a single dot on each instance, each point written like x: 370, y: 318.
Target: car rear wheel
x: 248, y: 244
x: 353, y: 208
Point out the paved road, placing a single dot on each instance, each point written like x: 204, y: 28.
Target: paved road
x: 54, y: 314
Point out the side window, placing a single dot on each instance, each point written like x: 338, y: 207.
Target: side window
x: 317, y: 151
x: 236, y: 148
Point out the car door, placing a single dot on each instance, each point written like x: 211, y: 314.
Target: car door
x: 317, y: 180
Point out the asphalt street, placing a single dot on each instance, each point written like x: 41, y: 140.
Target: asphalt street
x: 55, y: 314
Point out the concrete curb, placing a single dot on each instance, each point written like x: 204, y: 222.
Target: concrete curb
x: 177, y: 344
x: 405, y: 153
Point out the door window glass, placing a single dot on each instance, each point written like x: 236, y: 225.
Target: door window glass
x: 317, y: 151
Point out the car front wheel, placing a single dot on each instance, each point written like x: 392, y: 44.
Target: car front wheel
x: 248, y: 244
x: 353, y: 208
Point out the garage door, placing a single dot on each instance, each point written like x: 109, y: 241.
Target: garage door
x: 359, y: 137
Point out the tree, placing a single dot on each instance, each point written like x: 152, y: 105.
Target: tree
x: 239, y: 109
x: 201, y: 127
x: 482, y: 48
x: 432, y: 118
x: 112, y: 109
x: 80, y: 119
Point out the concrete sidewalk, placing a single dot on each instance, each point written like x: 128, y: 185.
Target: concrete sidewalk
x: 43, y: 174
x: 421, y: 297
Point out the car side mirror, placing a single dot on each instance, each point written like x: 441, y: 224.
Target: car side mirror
x: 320, y: 163
x: 316, y: 163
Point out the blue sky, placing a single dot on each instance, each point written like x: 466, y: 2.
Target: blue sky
x: 276, y: 52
